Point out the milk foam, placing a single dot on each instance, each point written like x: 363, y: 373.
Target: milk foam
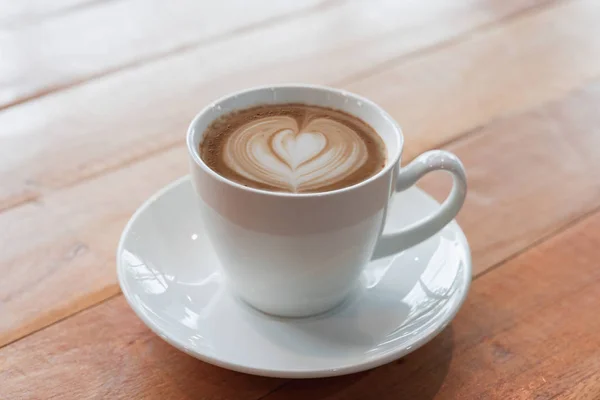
x: 276, y: 151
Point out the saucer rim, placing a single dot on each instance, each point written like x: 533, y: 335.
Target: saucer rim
x: 279, y: 373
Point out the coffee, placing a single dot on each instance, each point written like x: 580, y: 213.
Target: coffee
x: 294, y: 148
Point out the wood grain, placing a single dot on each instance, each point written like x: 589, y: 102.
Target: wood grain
x: 61, y: 139
x: 96, y: 96
x: 509, y: 68
x: 59, y: 253
x: 130, y: 32
x: 113, y: 355
x: 73, y: 47
x: 528, y: 175
x: 527, y: 329
x: 19, y: 13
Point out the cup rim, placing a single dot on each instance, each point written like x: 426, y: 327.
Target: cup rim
x: 195, y: 155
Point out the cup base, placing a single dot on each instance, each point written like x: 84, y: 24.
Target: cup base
x: 296, y: 311
x: 169, y: 274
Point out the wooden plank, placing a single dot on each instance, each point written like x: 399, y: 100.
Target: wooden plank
x: 517, y: 336
x: 15, y: 13
x: 520, y: 191
x: 58, y: 255
x: 129, y: 32
x: 109, y: 122
x: 510, y: 68
x: 120, y: 359
x: 528, y: 330
x: 73, y: 47
x: 528, y: 175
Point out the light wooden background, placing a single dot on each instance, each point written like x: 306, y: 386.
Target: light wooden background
x: 95, y: 97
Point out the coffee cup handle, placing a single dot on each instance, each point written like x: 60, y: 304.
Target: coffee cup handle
x: 435, y: 160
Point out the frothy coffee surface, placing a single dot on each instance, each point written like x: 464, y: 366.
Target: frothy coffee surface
x: 293, y: 148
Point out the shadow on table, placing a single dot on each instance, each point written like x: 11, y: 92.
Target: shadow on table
x: 416, y: 376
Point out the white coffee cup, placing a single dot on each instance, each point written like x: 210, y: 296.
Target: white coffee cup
x: 296, y: 255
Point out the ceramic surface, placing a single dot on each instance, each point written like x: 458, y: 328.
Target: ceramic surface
x: 300, y: 254
x: 171, y: 277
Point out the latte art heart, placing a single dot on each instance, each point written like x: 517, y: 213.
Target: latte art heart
x: 294, y: 148
x: 275, y: 151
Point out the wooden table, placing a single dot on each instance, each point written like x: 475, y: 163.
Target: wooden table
x: 95, y: 97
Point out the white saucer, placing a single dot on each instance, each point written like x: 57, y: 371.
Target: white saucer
x: 170, y: 277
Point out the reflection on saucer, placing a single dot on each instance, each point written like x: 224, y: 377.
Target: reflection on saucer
x: 171, y: 277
